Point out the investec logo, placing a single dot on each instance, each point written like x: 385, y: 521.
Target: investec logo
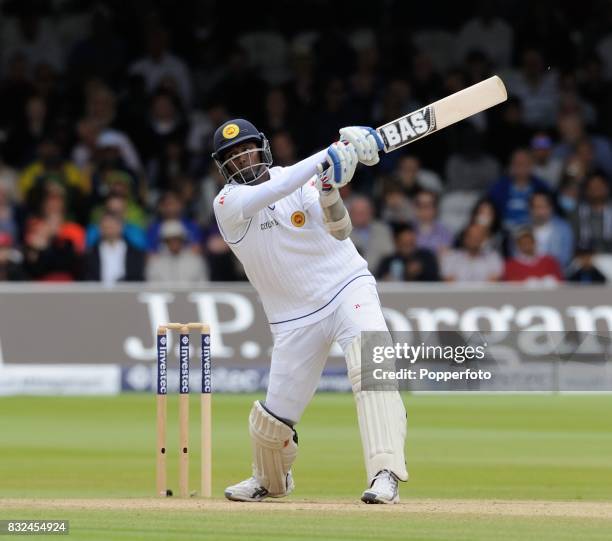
x: 162, y: 382
x: 408, y: 128
x: 184, y: 365
x: 206, y: 387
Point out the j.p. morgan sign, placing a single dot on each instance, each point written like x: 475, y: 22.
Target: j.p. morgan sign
x: 88, y: 324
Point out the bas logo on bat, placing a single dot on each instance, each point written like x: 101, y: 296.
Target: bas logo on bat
x: 408, y: 128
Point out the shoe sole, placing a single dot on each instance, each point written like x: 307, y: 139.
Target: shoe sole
x: 372, y: 498
x: 229, y: 496
x: 232, y: 498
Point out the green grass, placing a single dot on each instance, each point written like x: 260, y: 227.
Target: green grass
x: 459, y: 446
x: 370, y: 525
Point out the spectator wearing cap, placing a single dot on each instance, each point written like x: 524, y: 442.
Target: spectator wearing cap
x: 592, y: 219
x: 583, y: 269
x: 175, y: 262
x: 511, y: 193
x: 553, y: 235
x: 119, y: 183
x: 409, y: 263
x: 10, y: 260
x: 371, y: 237
x: 527, y: 265
x: 112, y: 258
x: 115, y: 149
x: 472, y: 261
x: 431, y: 233
x: 101, y: 112
x: 545, y: 165
x: 171, y: 207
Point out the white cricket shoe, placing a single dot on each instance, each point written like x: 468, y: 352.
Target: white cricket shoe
x: 383, y: 489
x: 250, y: 490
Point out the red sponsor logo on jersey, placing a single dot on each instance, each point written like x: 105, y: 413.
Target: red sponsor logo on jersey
x: 221, y: 200
x: 357, y: 306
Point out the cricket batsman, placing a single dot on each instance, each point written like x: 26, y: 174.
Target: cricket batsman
x: 290, y: 229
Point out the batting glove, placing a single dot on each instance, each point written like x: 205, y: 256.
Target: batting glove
x: 366, y: 141
x: 342, y: 160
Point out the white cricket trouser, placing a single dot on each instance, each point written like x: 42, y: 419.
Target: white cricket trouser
x: 299, y: 355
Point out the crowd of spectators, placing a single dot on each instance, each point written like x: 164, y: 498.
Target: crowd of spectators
x: 107, y: 114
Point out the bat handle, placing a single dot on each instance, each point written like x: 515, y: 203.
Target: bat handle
x: 325, y: 165
x: 322, y: 166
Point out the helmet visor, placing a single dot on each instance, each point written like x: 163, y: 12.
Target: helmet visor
x: 247, y: 166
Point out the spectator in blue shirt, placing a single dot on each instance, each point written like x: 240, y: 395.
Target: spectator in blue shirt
x: 171, y: 207
x: 132, y: 232
x: 511, y: 193
x: 553, y: 235
x: 572, y: 131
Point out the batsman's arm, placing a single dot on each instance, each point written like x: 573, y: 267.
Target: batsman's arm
x: 290, y: 179
x: 335, y: 216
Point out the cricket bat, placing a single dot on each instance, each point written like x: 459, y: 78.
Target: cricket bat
x: 442, y: 113
x: 439, y: 114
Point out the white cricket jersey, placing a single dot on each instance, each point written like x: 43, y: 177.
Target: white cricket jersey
x: 299, y: 270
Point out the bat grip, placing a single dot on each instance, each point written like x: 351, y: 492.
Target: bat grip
x: 325, y: 165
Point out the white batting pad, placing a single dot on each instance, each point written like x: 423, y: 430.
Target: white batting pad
x: 273, y: 449
x: 382, y: 422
